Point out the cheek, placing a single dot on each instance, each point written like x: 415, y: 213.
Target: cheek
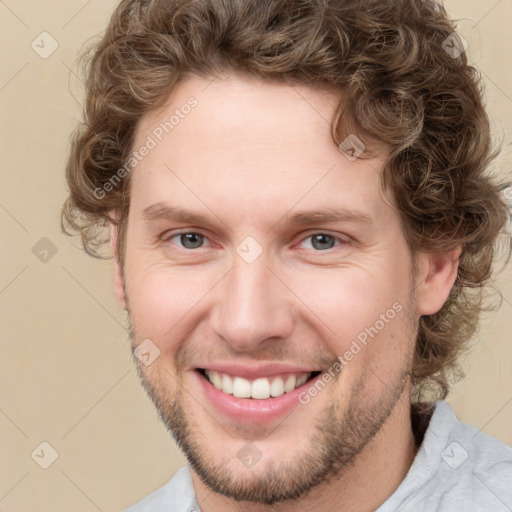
x: 162, y: 302
x: 358, y: 311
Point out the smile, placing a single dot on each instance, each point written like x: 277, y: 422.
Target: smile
x: 261, y: 388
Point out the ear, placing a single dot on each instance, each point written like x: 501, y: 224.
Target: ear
x: 118, y: 275
x: 436, y: 275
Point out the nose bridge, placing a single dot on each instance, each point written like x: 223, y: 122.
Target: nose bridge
x: 252, y: 305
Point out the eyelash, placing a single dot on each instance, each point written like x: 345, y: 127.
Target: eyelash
x: 166, y: 237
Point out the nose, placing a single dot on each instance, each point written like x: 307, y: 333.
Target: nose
x: 252, y: 306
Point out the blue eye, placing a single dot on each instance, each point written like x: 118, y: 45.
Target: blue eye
x: 189, y: 240
x: 322, y: 241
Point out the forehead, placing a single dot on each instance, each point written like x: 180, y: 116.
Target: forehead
x: 243, y: 107
x: 235, y: 137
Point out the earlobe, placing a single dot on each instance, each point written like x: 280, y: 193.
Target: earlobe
x: 437, y: 275
x: 118, y: 275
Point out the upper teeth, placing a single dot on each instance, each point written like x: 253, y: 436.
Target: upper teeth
x: 260, y: 388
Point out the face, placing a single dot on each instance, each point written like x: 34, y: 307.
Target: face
x: 257, y: 251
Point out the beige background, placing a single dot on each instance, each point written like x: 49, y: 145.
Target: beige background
x: 66, y: 377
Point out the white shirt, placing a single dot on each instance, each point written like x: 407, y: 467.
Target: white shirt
x: 457, y: 468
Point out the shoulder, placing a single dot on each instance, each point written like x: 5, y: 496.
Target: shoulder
x: 466, y: 443
x: 457, y: 466
x: 479, y: 460
x: 476, y: 465
x: 178, y: 492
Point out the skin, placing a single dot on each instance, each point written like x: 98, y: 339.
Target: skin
x: 299, y: 302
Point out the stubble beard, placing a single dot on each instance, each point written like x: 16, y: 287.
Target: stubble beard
x: 334, y: 443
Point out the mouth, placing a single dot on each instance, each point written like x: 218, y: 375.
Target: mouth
x: 262, y: 388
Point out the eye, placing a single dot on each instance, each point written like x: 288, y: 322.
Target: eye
x: 323, y: 241
x: 192, y: 240
x: 188, y: 240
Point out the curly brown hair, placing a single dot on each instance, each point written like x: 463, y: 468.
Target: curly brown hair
x: 400, y: 83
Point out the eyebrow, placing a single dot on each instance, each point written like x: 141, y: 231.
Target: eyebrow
x: 162, y: 211
x: 339, y: 214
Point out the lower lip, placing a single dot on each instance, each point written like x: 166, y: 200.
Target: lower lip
x: 253, y: 410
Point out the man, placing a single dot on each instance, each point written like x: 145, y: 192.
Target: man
x: 302, y: 227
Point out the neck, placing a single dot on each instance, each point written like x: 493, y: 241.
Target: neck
x: 362, y: 486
